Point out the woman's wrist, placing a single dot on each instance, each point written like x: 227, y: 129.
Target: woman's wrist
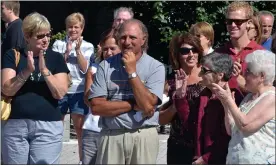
x: 78, y: 52
x: 25, y: 74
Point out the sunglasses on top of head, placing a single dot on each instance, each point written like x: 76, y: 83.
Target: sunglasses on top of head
x: 41, y: 36
x: 238, y: 22
x: 185, y: 50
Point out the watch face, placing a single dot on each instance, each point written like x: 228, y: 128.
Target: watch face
x: 133, y: 75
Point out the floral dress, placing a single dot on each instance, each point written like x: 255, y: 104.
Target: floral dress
x: 257, y: 148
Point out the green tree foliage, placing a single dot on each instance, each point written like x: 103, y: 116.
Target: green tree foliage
x: 58, y: 36
x: 173, y: 17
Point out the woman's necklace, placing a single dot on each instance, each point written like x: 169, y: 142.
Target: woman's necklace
x: 38, y: 76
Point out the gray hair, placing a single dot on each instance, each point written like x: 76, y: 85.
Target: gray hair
x: 219, y: 63
x: 142, y: 27
x: 123, y: 9
x: 262, y: 61
x: 266, y: 13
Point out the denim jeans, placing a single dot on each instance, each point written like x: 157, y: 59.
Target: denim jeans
x: 27, y: 141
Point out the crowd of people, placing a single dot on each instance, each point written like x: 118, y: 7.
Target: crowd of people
x: 219, y: 102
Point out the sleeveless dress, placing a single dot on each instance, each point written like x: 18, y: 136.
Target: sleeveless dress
x: 257, y: 148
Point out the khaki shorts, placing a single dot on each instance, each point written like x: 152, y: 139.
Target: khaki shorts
x: 139, y: 146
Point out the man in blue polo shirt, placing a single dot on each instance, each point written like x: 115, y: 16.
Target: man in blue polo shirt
x: 267, y: 19
x: 126, y: 90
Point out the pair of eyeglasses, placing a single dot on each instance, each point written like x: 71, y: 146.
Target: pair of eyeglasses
x: 238, y: 22
x: 247, y: 71
x: 204, y: 71
x: 185, y: 50
x: 43, y: 35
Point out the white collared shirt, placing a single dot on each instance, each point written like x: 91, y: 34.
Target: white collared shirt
x: 78, y: 76
x: 210, y: 50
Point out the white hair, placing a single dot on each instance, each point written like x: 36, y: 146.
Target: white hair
x: 262, y: 61
x: 123, y: 9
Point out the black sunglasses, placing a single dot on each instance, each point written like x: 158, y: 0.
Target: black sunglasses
x: 43, y: 35
x: 238, y: 22
x: 204, y: 71
x: 185, y: 50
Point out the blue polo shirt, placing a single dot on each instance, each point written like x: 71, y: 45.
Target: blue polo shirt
x: 267, y: 44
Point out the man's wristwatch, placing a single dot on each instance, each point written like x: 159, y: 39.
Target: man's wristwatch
x: 47, y: 74
x: 132, y: 75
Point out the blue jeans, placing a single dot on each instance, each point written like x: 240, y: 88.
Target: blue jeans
x: 27, y: 141
x: 73, y: 102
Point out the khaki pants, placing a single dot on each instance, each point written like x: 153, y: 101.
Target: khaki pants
x: 138, y: 146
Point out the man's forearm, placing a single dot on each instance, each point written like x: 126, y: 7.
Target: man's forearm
x: 143, y: 97
x: 109, y: 108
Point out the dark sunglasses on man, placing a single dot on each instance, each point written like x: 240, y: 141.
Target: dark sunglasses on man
x: 185, y: 50
x: 43, y: 35
x: 238, y: 22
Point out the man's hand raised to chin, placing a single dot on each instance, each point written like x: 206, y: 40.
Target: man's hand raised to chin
x: 129, y: 60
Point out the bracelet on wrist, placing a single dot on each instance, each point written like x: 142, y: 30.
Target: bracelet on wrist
x: 20, y: 79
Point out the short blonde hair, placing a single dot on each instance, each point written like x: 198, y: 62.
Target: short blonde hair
x: 237, y: 5
x: 205, y: 29
x: 33, y: 23
x: 74, y: 18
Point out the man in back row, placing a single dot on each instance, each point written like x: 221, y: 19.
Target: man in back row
x: 126, y: 90
x: 267, y: 19
x: 13, y: 37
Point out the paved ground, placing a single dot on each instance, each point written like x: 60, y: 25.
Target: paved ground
x: 69, y: 153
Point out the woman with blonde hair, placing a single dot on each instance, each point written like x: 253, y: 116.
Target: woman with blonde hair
x: 33, y: 134
x: 77, y: 53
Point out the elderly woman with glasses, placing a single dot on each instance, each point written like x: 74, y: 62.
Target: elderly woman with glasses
x: 252, y: 123
x: 33, y: 134
x: 212, y: 149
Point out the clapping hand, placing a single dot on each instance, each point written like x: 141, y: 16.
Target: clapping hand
x: 69, y: 45
x: 223, y: 93
x: 30, y: 62
x: 42, y: 65
x: 78, y: 43
x: 237, y: 68
x: 180, y: 84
